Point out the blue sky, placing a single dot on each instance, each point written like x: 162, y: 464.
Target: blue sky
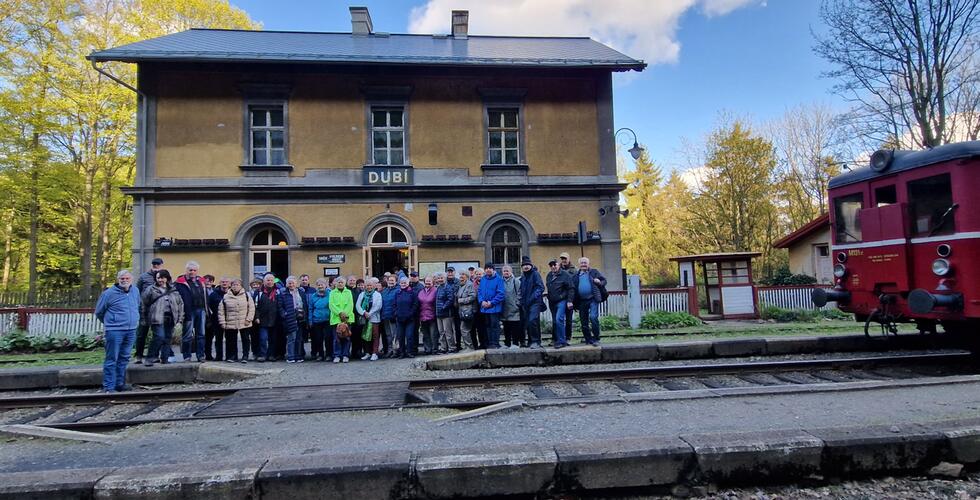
x: 750, y: 58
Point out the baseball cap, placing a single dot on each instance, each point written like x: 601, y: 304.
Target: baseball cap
x: 564, y: 255
x: 414, y: 274
x: 157, y: 261
x: 450, y: 269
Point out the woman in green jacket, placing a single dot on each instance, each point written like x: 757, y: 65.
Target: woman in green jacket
x: 341, y: 300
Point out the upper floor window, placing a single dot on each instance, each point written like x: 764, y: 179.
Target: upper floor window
x: 847, y: 224
x: 503, y: 136
x: 388, y: 136
x: 931, y: 206
x: 267, y: 134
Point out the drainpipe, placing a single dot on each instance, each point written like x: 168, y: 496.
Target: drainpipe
x: 141, y: 168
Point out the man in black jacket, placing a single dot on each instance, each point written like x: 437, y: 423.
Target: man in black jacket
x: 214, y: 334
x: 561, y: 296
x: 565, y: 264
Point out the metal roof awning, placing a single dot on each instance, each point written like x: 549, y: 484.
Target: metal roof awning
x: 716, y: 257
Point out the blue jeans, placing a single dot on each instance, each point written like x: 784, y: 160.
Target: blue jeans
x: 160, y: 344
x: 341, y: 347
x: 292, y: 353
x: 118, y: 346
x: 260, y: 347
x: 558, y: 313
x: 493, y: 330
x: 193, y: 337
x: 588, y: 315
x: 406, y: 335
x: 531, y: 316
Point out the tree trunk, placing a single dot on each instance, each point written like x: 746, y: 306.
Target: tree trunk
x: 6, y: 251
x: 102, y: 246
x: 34, y: 215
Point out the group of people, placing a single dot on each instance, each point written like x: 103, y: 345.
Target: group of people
x: 345, y: 317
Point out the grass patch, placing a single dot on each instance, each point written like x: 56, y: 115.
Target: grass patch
x: 40, y: 359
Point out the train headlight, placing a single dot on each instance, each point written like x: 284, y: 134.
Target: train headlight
x: 842, y: 257
x: 944, y: 250
x: 839, y: 270
x: 941, y: 267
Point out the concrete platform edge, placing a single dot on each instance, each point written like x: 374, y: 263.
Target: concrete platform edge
x: 781, y: 456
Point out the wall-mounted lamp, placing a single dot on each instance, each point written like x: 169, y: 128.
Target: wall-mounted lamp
x: 608, y: 209
x: 636, y: 150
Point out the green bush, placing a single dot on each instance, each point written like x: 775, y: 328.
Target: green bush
x: 781, y: 315
x: 665, y: 319
x: 607, y: 323
x: 19, y: 341
x: 784, y: 277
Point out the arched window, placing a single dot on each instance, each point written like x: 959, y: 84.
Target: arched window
x: 269, y: 238
x: 389, y: 235
x: 506, y: 245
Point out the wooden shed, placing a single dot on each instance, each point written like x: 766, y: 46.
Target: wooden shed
x: 720, y: 284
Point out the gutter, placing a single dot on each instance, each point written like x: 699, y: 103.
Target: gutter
x: 140, y: 147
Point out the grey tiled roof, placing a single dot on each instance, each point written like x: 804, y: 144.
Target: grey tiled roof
x: 210, y: 45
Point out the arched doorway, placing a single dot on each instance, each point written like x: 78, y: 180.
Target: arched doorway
x: 268, y: 253
x: 389, y: 245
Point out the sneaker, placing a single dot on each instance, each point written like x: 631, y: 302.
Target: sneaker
x: 172, y: 359
x: 229, y: 360
x: 346, y: 359
x: 535, y: 346
x: 365, y: 357
x: 260, y: 360
x: 244, y: 360
x: 147, y: 362
x: 336, y: 360
x: 515, y: 346
x: 290, y: 360
x: 139, y: 359
x: 374, y: 357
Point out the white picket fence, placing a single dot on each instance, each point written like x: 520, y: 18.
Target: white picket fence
x: 790, y: 297
x: 669, y: 299
x: 42, y: 323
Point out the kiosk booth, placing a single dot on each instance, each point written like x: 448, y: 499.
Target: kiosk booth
x: 719, y: 284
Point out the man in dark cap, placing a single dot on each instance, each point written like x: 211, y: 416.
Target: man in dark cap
x: 532, y: 291
x: 561, y: 297
x: 146, y: 280
x: 452, y: 281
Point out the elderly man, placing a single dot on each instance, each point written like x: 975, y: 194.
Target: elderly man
x: 214, y: 332
x: 532, y: 291
x: 193, y: 291
x: 588, y: 296
x: 118, y: 309
x: 146, y: 280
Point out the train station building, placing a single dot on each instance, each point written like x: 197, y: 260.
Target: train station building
x: 350, y: 153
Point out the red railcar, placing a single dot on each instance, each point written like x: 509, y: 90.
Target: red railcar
x: 906, y: 239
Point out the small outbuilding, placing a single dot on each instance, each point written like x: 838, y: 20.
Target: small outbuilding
x: 809, y: 250
x: 719, y: 284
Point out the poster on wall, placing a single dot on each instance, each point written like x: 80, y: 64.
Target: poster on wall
x: 463, y: 265
x: 331, y: 271
x: 430, y: 268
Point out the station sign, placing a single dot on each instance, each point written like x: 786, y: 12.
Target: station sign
x: 331, y: 258
x: 388, y: 176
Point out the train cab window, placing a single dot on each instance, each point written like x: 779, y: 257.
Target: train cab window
x: 931, y: 207
x: 848, y: 226
x: 886, y: 195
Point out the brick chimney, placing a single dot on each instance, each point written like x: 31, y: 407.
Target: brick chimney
x: 461, y: 24
x: 360, y: 21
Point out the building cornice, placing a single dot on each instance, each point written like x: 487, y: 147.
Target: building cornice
x: 373, y: 193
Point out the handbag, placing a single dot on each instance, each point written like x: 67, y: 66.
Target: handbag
x: 466, y: 314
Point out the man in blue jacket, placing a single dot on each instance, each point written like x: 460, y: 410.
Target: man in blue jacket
x: 588, y: 296
x: 118, y: 309
x: 532, y: 289
x: 491, y: 298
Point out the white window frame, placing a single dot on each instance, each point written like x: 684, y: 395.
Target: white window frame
x: 499, y: 128
x: 387, y: 129
x: 251, y: 107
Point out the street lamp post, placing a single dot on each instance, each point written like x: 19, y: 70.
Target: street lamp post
x: 636, y: 150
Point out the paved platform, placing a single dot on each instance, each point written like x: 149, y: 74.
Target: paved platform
x: 694, y: 349
x: 19, y: 379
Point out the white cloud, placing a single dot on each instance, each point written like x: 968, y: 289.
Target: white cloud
x: 642, y: 29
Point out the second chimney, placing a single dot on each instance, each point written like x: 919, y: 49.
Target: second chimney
x: 461, y: 22
x: 360, y: 21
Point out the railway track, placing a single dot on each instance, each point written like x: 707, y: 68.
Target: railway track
x: 112, y: 411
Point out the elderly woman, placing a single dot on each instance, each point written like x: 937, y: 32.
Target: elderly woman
x: 292, y: 311
x: 428, y: 327
x: 368, y: 308
x: 318, y: 317
x: 445, y: 300
x: 235, y: 313
x: 466, y: 304
x: 341, y: 301
x: 118, y: 309
x: 162, y: 308
x: 388, y: 316
x: 511, y: 313
x: 406, y: 309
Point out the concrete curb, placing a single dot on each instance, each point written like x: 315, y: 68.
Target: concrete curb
x: 694, y: 349
x: 774, y: 456
x: 16, y: 379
